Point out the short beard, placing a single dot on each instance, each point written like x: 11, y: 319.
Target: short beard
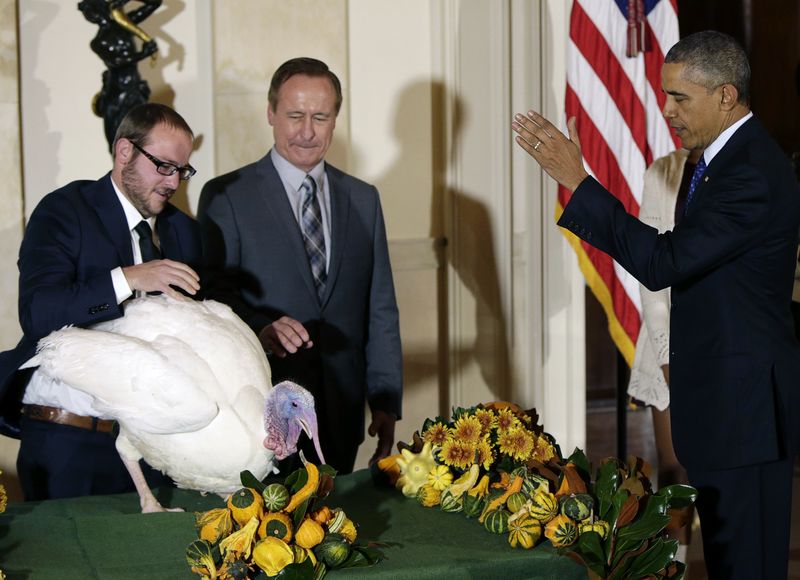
x: 136, y: 192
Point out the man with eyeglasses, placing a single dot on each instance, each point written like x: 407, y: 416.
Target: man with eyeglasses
x: 88, y: 247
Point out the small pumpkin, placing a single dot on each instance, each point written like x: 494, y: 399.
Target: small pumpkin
x: 561, y: 531
x: 440, y: 477
x: 524, y: 531
x: 244, y: 504
x: 496, y: 521
x: 276, y: 525
x: 309, y: 534
x: 323, y: 515
x: 276, y: 497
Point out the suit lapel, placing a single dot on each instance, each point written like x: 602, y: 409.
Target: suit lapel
x: 100, y: 195
x: 742, y: 135
x: 340, y: 214
x: 170, y: 246
x: 276, y: 204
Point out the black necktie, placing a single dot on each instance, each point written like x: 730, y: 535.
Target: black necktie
x: 146, y: 244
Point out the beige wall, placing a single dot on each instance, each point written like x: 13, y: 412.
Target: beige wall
x: 430, y: 87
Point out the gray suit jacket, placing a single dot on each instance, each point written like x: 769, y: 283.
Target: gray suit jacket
x: 257, y: 264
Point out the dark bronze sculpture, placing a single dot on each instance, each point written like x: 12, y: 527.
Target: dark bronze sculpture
x: 115, y: 44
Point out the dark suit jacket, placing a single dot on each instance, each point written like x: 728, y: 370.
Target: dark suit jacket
x: 75, y: 237
x: 734, y: 361
x: 257, y: 264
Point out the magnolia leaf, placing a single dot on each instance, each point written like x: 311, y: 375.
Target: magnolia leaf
x: 678, y: 496
x: 635, y: 486
x: 657, y: 557
x: 300, y: 512
x: 617, y: 501
x: 628, y: 511
x: 250, y: 480
x: 297, y: 479
x: 590, y: 549
x: 651, y: 522
x: 578, y: 457
x: 325, y: 486
x: 622, y: 560
x: 606, y: 486
x: 297, y: 571
x: 574, y: 481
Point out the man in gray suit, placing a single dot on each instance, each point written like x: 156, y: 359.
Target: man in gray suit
x: 298, y: 249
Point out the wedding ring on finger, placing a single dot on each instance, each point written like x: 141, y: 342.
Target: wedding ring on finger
x: 536, y: 147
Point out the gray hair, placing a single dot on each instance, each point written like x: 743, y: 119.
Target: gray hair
x: 713, y: 59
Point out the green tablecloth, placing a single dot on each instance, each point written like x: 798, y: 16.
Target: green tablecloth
x: 106, y: 537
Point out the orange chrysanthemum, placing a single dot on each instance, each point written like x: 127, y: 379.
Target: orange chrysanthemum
x: 457, y: 453
x: 485, y: 455
x: 543, y: 451
x: 436, y: 434
x: 468, y: 429
x: 487, y: 419
x: 517, y: 442
x: 506, y: 420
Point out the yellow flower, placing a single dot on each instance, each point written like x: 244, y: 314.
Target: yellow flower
x: 467, y: 429
x: 272, y: 555
x: 487, y: 419
x: 506, y: 420
x: 436, y: 434
x: 485, y: 455
x: 240, y: 542
x: 543, y: 451
x: 440, y: 477
x: 458, y: 454
x: 517, y: 442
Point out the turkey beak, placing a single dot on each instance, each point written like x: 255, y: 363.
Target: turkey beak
x: 308, y: 422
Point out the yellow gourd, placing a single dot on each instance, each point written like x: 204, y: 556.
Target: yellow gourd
x: 305, y: 492
x: 309, y: 534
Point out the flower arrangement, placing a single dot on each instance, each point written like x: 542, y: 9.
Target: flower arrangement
x: 278, y: 530
x: 495, y: 463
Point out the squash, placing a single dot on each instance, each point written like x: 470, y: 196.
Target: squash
x: 473, y: 505
x: 272, y: 555
x: 498, y: 502
x: 544, y: 506
x: 524, y: 531
x: 600, y: 527
x: 535, y: 482
x: 414, y: 469
x: 333, y: 550
x: 464, y: 483
x: 307, y: 490
x: 440, y: 477
x: 515, y: 501
x: 451, y: 503
x: 276, y: 525
x: 309, y: 534
x: 496, y: 521
x: 577, y: 507
x: 341, y: 524
x: 214, y: 524
x: 245, y: 504
x: 428, y: 496
x: 276, y: 497
x: 239, y: 543
x: 561, y: 531
x: 481, y: 488
x: 323, y: 515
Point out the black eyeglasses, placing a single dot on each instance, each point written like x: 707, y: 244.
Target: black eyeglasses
x: 166, y: 168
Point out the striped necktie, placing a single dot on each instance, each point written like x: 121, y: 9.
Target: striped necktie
x: 313, y: 236
x: 147, y: 246
x: 699, y: 170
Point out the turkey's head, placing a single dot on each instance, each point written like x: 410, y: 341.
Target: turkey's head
x: 288, y: 411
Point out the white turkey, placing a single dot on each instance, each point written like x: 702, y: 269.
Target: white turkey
x: 191, y: 389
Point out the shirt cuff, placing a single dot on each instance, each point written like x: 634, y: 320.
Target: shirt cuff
x: 121, y: 287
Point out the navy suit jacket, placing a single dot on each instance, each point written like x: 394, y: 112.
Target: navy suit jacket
x: 257, y: 264
x: 734, y: 360
x: 75, y: 237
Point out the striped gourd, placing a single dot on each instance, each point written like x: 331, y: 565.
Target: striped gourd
x: 561, y: 531
x: 524, y: 532
x: 497, y: 521
x: 451, y: 503
x: 544, y: 506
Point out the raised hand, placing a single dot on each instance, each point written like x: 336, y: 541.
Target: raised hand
x: 559, y: 157
x: 284, y: 336
x: 161, y: 275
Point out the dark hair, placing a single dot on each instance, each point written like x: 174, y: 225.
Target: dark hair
x: 712, y: 59
x: 140, y: 121
x: 302, y: 66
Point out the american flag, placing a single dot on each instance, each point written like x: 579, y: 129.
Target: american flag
x: 614, y: 57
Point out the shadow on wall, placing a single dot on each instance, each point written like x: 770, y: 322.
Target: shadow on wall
x: 470, y: 248
x: 39, y: 16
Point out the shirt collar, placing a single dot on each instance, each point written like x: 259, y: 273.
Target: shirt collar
x: 718, y: 143
x: 132, y: 215
x: 292, y: 175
